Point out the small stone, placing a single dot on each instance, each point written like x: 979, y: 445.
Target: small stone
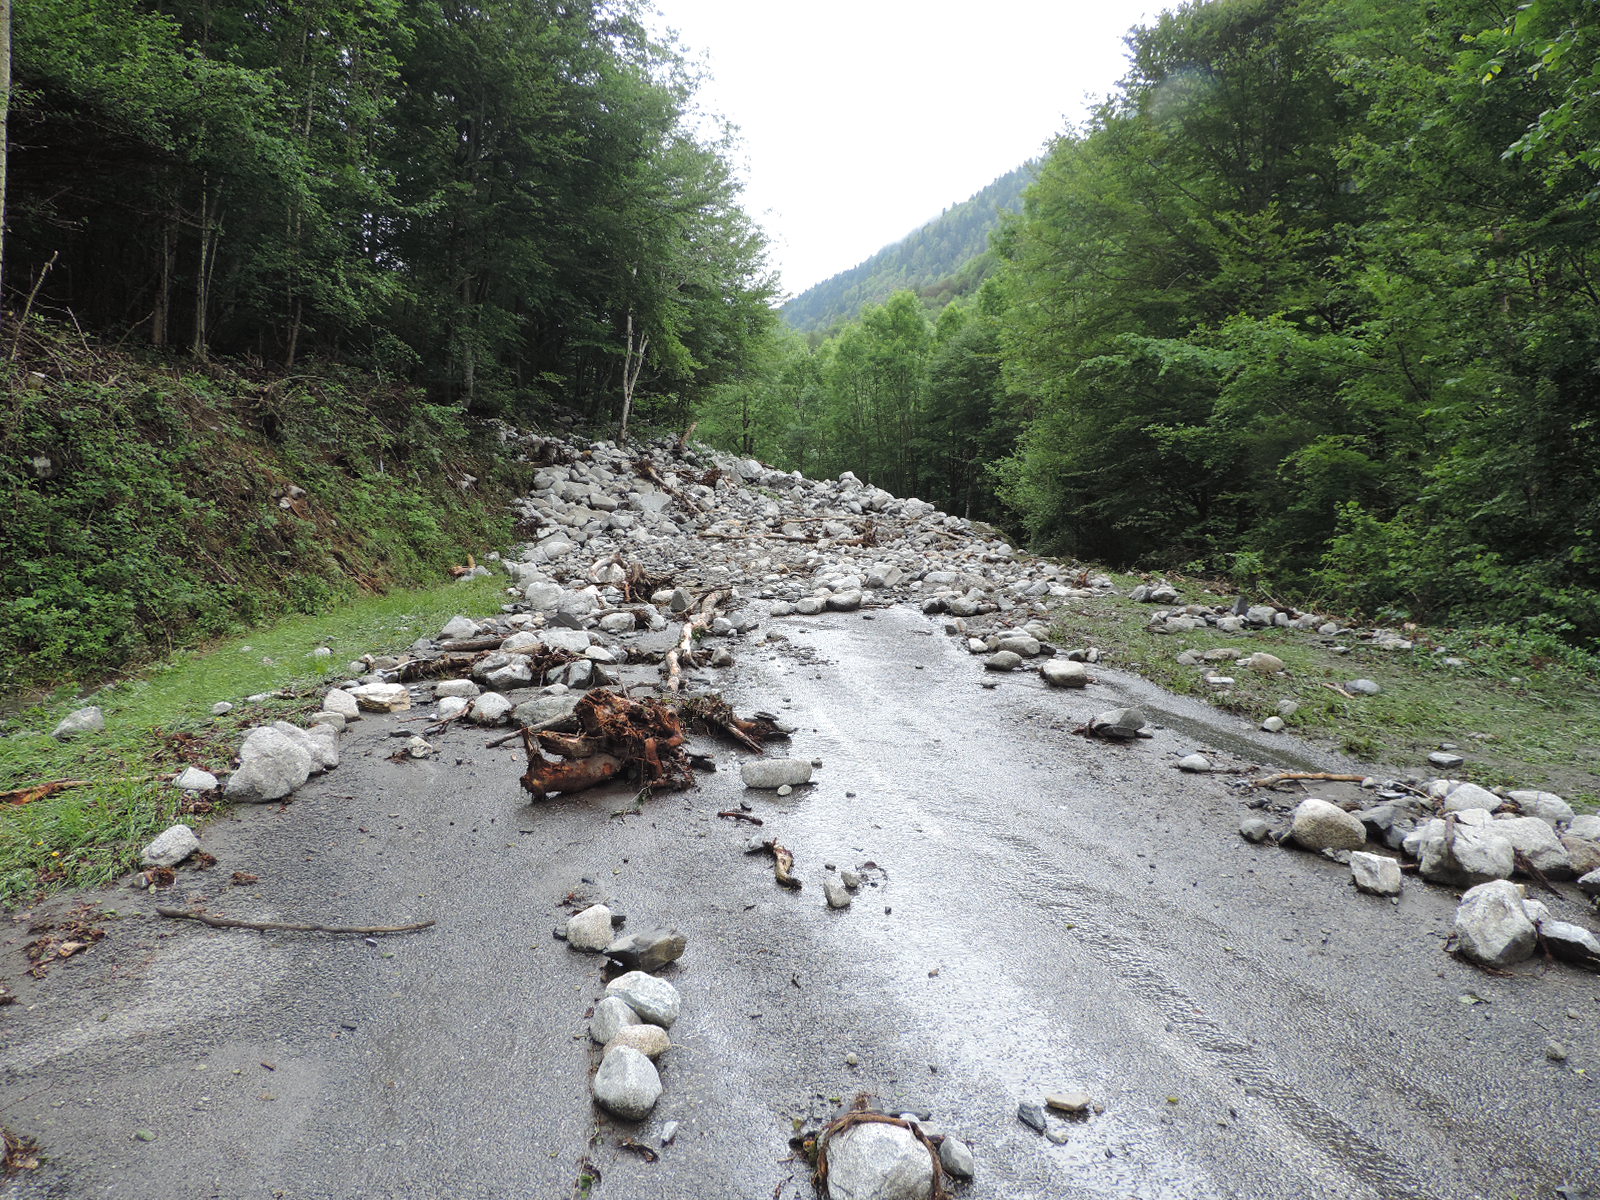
x: 850, y: 879
x: 838, y: 895
x: 170, y: 847
x: 1061, y: 673
x: 668, y: 1132
x: 590, y: 929
x: 852, y: 1060
x: 956, y: 1158
x: 1254, y: 829
x: 1058, y: 1137
x: 775, y: 772
x: 786, y: 790
x: 1263, y: 663
x: 340, y: 701
x: 1571, y: 943
x: 1376, y: 874
x: 459, y: 627
x: 627, y: 1084
x: 144, y: 1135
x: 1555, y: 1052
x: 1444, y: 761
x: 1003, y: 660
x: 1196, y: 763
x: 85, y: 720
x: 1031, y: 1115
x: 221, y: 708
x: 649, y: 1040
x: 194, y: 779
x: 1288, y: 708
x: 1072, y: 1103
x: 457, y: 687
x: 382, y: 697
x: 1119, y: 724
x: 655, y: 1000
x: 1362, y: 687
x: 1273, y: 725
x: 491, y: 708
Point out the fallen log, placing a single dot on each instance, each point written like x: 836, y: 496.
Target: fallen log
x: 544, y: 777
x: 287, y: 926
x: 699, y: 618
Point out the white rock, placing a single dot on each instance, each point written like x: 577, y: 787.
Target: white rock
x: 1197, y: 763
x: 451, y: 707
x: 1058, y: 672
x: 270, y: 767
x: 1263, y: 663
x: 221, y: 708
x: 878, y: 1161
x: 1547, y: 806
x: 194, y: 779
x: 590, y: 929
x: 837, y: 894
x: 627, y: 1084
x: 321, y: 745
x: 1491, y: 926
x: 383, y: 697
x: 1318, y: 825
x: 85, y: 720
x: 611, y: 1016
x: 1460, y: 796
x: 170, y: 847
x: 333, y: 720
x: 1585, y: 826
x: 1273, y: 725
x: 655, y: 1000
x: 456, y: 687
x: 340, y: 701
x: 775, y: 772
x: 491, y: 708
x: 1375, y: 873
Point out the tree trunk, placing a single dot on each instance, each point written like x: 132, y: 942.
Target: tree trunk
x: 632, y: 364
x: 5, y: 114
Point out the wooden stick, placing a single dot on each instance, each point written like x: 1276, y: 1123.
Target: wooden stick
x: 566, y: 724
x: 1287, y: 776
x: 290, y: 926
x: 1334, y: 687
x: 17, y: 797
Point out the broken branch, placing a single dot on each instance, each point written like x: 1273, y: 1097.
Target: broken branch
x: 1289, y: 776
x: 289, y: 926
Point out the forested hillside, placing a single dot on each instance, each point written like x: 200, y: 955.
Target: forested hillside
x: 268, y: 267
x: 1313, y: 300
x: 946, y: 258
x: 500, y: 201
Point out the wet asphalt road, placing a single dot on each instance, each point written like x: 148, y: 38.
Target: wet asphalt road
x: 1047, y: 914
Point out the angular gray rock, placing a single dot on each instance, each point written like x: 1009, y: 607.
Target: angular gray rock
x: 833, y: 888
x: 655, y: 1000
x: 1460, y: 796
x: 382, y: 697
x: 1362, y: 687
x: 271, y: 766
x: 627, y: 1085
x: 1254, y: 829
x: 1318, y: 825
x: 1547, y: 806
x: 1377, y: 874
x: 342, y: 702
x: 194, y: 779
x: 1571, y: 943
x: 491, y: 708
x: 1119, y: 724
x: 1491, y: 926
x: 85, y: 720
x: 459, y: 627
x: 878, y: 1161
x: 611, y: 1016
x: 956, y: 1157
x: 1589, y: 884
x: 170, y: 847
x: 1263, y: 663
x: 1475, y: 855
x: 321, y: 744
x: 775, y: 772
x: 456, y: 687
x: 1445, y: 760
x: 1537, y: 842
x: 649, y: 950
x: 590, y: 929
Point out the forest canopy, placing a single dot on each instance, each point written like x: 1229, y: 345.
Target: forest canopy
x: 497, y: 200
x: 1313, y: 300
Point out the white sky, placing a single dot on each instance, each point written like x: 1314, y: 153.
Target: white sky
x: 862, y: 119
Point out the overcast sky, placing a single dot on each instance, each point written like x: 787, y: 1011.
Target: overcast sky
x: 862, y: 119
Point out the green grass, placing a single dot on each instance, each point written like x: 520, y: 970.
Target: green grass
x: 1536, y: 719
x: 160, y: 721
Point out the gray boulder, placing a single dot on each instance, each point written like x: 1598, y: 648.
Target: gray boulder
x: 590, y: 929
x: 1547, y: 806
x: 1004, y: 660
x: 1571, y: 943
x: 1589, y: 884
x: 1318, y: 825
x: 542, y: 709
x: 321, y: 744
x: 271, y: 766
x: 1254, y: 829
x: 611, y: 1016
x: 1460, y: 796
x: 1475, y: 855
x: 85, y: 720
x: 1491, y: 925
x: 194, y: 779
x: 464, y: 688
x: 649, y: 950
x: 170, y: 847
x: 491, y: 708
x: 627, y: 1085
x: 878, y: 1161
x: 846, y: 601
x: 1362, y: 687
x: 1537, y: 842
x: 957, y: 1158
x: 342, y: 702
x: 459, y: 627
x: 655, y: 1000
x: 1585, y: 826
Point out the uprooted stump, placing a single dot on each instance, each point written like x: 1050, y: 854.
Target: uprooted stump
x: 710, y: 713
x: 616, y: 735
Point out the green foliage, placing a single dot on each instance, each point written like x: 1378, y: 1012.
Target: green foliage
x: 148, y: 511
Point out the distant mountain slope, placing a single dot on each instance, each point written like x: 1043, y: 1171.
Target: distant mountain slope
x: 926, y: 259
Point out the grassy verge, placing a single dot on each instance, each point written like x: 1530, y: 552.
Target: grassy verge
x: 160, y: 721
x: 1521, y: 718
